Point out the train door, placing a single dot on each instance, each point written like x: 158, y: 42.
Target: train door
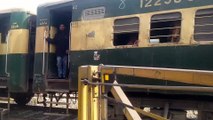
x: 58, y: 16
x: 4, y: 29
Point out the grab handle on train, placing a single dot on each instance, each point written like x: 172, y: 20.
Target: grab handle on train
x: 6, y: 57
x: 44, y: 49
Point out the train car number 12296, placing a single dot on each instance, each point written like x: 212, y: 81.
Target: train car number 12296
x: 155, y: 3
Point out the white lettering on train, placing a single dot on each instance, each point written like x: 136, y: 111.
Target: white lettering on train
x: 155, y: 3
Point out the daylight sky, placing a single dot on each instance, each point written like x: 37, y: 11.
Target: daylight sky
x: 27, y: 4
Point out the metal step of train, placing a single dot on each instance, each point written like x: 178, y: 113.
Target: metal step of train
x: 59, y: 94
x: 58, y: 84
x: 3, y: 82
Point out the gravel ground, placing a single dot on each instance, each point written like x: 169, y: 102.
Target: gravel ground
x: 37, y: 113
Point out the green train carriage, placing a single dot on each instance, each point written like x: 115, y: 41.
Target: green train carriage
x: 168, y: 34
x: 17, y: 33
x: 142, y: 33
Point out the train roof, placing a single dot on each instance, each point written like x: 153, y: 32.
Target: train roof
x: 58, y: 3
x: 114, y: 8
x: 110, y: 8
x: 5, y: 11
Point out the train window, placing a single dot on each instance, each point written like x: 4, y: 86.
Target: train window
x: 126, y: 31
x: 4, y: 27
x: 204, y: 25
x: 3, y: 34
x: 165, y: 28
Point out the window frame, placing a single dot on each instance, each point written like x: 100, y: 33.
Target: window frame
x: 194, y: 32
x: 158, y: 43
x: 127, y: 31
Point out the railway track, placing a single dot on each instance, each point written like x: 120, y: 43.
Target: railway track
x: 37, y: 113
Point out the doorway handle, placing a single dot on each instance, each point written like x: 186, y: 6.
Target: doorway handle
x: 6, y: 57
x: 44, y: 48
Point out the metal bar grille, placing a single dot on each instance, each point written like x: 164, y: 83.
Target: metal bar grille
x: 126, y: 24
x: 204, y: 33
x: 160, y: 36
x: 165, y: 28
x: 203, y: 25
x: 126, y: 31
x: 166, y: 20
x: 199, y: 17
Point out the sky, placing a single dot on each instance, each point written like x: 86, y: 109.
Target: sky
x: 26, y: 4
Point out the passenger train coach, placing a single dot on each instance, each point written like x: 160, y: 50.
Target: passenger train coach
x: 17, y: 37
x: 162, y: 33
x: 148, y: 33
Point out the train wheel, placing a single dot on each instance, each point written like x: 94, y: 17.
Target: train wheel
x: 22, y: 98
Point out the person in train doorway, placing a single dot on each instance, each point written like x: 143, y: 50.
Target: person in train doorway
x: 61, y: 42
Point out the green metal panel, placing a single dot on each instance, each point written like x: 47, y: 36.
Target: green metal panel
x: 18, y: 70
x: 52, y: 68
x: 2, y: 65
x: 43, y: 18
x: 19, y: 20
x: 38, y: 63
x: 50, y: 61
x: 184, y: 57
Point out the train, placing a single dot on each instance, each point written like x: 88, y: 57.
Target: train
x: 148, y: 33
x: 17, y: 53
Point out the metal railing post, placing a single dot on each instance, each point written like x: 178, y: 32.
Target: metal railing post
x: 6, y: 57
x: 43, y: 54
x: 88, y: 95
x: 83, y: 94
x: 103, y: 102
x: 90, y: 102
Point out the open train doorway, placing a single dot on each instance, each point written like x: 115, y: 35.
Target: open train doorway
x: 59, y: 44
x: 55, y: 87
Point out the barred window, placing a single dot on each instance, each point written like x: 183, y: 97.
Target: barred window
x: 126, y: 31
x: 165, y: 28
x: 204, y: 25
